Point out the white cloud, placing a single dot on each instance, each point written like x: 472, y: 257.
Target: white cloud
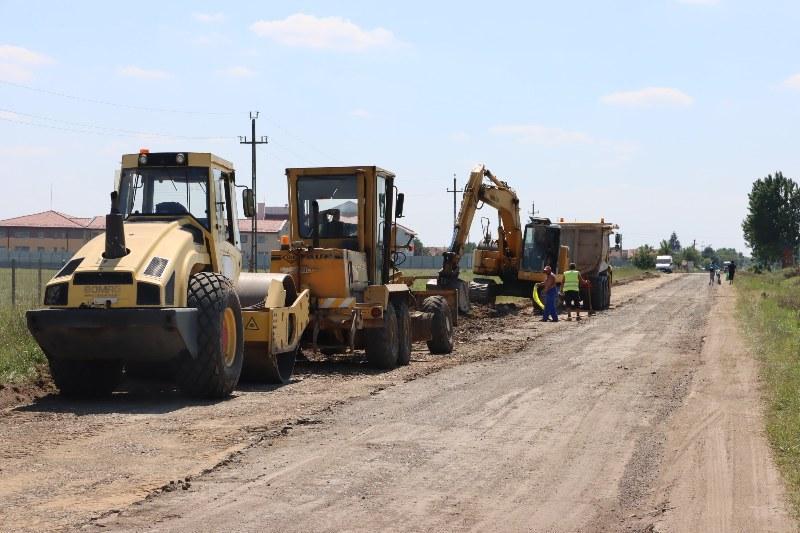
x: 10, y: 115
x: 792, y: 82
x: 331, y: 33
x: 20, y: 55
x: 209, y: 17
x: 15, y: 73
x: 238, y: 72
x: 360, y: 113
x: 649, y: 97
x: 17, y: 63
x: 538, y: 134
x: 132, y: 71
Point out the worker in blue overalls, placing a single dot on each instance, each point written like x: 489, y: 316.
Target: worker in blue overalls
x: 550, y: 295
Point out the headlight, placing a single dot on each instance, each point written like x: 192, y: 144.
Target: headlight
x: 180, y: 159
x: 56, y: 294
x: 142, y: 159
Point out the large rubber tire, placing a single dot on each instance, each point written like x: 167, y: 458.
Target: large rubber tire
x: 403, y: 332
x: 215, y: 371
x: 482, y: 291
x: 88, y: 379
x: 441, y: 325
x: 608, y: 293
x: 383, y: 344
x: 599, y: 288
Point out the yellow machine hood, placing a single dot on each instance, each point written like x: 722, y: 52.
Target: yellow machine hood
x: 144, y: 240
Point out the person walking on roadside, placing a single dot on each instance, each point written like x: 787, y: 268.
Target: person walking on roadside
x: 712, y: 272
x: 550, y: 295
x: 731, y: 272
x: 572, y: 291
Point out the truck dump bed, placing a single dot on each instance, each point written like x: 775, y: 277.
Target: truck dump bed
x: 588, y: 244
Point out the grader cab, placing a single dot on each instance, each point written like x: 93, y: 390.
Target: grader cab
x: 341, y: 249
x: 163, y: 289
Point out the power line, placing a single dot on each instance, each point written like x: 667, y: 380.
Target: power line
x: 287, y: 132
x: 116, y: 104
x: 88, y: 126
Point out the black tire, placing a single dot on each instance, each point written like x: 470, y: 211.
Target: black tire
x: 86, y: 379
x: 383, y: 344
x: 209, y: 375
x: 441, y: 325
x: 403, y: 332
x: 482, y: 291
x: 608, y: 292
x: 599, y: 285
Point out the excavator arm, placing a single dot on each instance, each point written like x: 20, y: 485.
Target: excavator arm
x: 498, y: 195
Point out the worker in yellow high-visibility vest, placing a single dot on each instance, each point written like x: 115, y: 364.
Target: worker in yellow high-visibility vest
x: 572, y: 291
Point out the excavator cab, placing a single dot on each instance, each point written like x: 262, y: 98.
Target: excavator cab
x: 541, y: 244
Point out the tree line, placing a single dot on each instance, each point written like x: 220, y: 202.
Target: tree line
x: 645, y: 256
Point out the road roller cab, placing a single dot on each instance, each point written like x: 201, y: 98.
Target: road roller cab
x: 163, y: 288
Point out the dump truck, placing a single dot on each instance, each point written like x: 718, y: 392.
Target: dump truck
x: 517, y: 255
x: 589, y: 245
x: 163, y: 288
x: 341, y: 249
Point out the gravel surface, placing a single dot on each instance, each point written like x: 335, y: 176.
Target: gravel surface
x: 528, y: 426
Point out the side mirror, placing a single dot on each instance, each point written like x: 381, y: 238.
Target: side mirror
x: 399, y: 210
x: 248, y: 203
x: 618, y: 241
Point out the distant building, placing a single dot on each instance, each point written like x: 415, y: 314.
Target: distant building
x: 54, y: 236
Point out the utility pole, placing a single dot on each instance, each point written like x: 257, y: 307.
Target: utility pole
x: 254, y: 226
x: 455, y: 191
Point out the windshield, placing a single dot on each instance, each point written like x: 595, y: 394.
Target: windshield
x: 337, y: 198
x: 165, y: 191
x: 540, y: 248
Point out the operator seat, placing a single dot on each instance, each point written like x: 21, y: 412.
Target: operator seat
x: 171, y: 208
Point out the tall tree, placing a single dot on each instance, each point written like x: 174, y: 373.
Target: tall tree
x: 664, y: 248
x: 674, y: 243
x: 772, y: 225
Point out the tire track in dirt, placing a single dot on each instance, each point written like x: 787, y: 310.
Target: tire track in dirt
x: 567, y: 435
x: 64, y: 462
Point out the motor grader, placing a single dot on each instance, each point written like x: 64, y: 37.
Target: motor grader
x: 163, y: 288
x: 342, y: 249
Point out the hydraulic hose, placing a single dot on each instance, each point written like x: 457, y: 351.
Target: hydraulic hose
x: 536, y: 300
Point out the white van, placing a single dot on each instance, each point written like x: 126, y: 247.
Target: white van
x: 664, y: 263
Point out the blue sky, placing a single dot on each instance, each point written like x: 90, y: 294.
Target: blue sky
x: 656, y: 114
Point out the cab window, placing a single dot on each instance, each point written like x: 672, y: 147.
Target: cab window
x: 165, y: 192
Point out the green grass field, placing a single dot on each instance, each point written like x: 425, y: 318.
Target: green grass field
x: 769, y: 310
x: 19, y: 353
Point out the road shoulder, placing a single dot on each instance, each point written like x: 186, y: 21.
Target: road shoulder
x: 718, y: 473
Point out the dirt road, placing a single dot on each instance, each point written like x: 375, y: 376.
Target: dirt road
x: 563, y: 427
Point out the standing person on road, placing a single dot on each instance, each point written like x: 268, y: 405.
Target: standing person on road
x: 712, y: 270
x: 572, y: 291
x: 550, y: 295
x: 731, y: 272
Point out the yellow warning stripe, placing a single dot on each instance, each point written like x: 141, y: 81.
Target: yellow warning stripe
x: 336, y: 303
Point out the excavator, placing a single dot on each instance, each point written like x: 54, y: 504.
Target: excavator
x: 517, y: 256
